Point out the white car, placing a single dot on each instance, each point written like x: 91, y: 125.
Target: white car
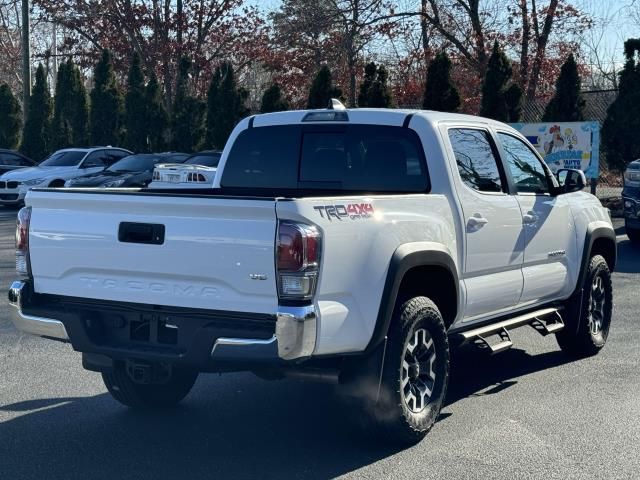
x: 61, y: 166
x: 197, y: 171
x: 356, y: 246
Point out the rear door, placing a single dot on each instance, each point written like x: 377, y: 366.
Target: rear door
x: 550, y: 249
x: 199, y: 252
x: 493, y: 225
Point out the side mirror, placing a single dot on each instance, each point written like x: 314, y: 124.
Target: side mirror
x: 571, y: 180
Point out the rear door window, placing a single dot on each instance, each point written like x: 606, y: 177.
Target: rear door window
x: 367, y: 158
x: 476, y: 159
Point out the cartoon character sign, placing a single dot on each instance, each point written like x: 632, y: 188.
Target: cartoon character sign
x: 556, y: 142
x: 566, y: 144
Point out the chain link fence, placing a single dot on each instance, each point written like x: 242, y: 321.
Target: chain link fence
x: 609, y: 190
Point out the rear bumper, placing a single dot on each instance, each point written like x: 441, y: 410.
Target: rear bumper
x: 205, y: 340
x: 40, y: 326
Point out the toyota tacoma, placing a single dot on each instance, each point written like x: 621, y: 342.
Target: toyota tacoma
x: 356, y: 245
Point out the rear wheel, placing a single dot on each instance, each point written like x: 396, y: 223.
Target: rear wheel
x: 148, y: 395
x: 415, y: 373
x: 594, y: 315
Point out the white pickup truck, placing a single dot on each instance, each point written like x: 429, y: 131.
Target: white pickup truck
x: 349, y: 245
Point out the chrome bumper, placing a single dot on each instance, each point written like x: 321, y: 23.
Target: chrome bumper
x: 43, y: 327
x: 295, y: 338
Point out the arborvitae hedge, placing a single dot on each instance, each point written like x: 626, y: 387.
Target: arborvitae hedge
x: 10, y: 118
x: 620, y: 137
x: 226, y: 106
x: 187, y: 122
x: 440, y: 93
x: 322, y: 89
x: 36, y: 139
x: 106, y: 104
x: 566, y: 105
x: 136, y: 109
x: 496, y: 103
x: 71, y: 112
x: 370, y: 71
x: 273, y: 100
x: 157, y: 118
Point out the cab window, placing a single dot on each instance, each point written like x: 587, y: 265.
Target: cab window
x: 528, y: 172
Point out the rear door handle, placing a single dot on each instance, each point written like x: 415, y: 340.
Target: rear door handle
x: 477, y: 221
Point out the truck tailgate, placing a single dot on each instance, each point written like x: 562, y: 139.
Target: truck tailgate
x: 216, y: 252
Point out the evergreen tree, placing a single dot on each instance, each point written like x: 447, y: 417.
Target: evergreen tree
x: 10, y: 118
x: 379, y: 93
x: 36, y: 140
x: 61, y: 131
x: 187, y: 122
x: 620, y: 137
x: 440, y: 93
x: 225, y: 105
x: 136, y: 106
x: 273, y: 101
x: 495, y: 101
x: 370, y: 71
x: 157, y: 119
x: 322, y: 89
x: 106, y: 104
x: 513, y: 97
x: 71, y: 113
x: 567, y: 104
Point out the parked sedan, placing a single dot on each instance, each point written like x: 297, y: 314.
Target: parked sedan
x: 55, y: 170
x: 11, y: 160
x: 197, y: 171
x: 132, y: 171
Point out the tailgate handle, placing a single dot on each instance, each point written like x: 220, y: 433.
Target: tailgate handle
x: 148, y: 233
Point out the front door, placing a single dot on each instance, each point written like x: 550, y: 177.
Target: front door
x: 494, y: 240
x: 549, y: 233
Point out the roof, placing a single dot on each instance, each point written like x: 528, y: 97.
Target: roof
x: 595, y: 109
x: 372, y: 116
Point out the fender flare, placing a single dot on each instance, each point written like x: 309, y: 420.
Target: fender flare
x: 406, y: 257
x: 574, y: 303
x: 594, y: 233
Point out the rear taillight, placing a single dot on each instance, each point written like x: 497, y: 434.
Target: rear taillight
x: 23, y: 266
x: 297, y: 260
x: 156, y: 175
x: 196, y: 177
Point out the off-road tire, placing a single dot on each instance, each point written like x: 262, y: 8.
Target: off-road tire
x: 160, y: 395
x: 395, y: 420
x: 587, y: 341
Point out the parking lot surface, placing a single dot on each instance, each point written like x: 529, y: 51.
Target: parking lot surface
x: 530, y: 412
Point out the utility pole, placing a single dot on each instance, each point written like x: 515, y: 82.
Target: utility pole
x: 26, y: 58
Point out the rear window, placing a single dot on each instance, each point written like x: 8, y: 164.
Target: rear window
x: 367, y: 158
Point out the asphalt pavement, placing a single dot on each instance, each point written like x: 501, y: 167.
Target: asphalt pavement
x: 528, y: 413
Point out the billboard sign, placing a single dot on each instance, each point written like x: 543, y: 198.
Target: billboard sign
x: 566, y: 144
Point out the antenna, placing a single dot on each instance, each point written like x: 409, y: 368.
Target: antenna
x: 335, y: 104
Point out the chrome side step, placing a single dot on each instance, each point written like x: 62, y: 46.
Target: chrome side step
x: 496, y: 338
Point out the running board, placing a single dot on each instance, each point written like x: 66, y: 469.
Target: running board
x: 496, y: 338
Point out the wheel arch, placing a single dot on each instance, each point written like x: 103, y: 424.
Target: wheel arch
x: 409, y: 264
x: 55, y: 181
x: 599, y: 240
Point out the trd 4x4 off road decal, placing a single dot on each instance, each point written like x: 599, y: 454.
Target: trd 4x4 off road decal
x: 354, y: 211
